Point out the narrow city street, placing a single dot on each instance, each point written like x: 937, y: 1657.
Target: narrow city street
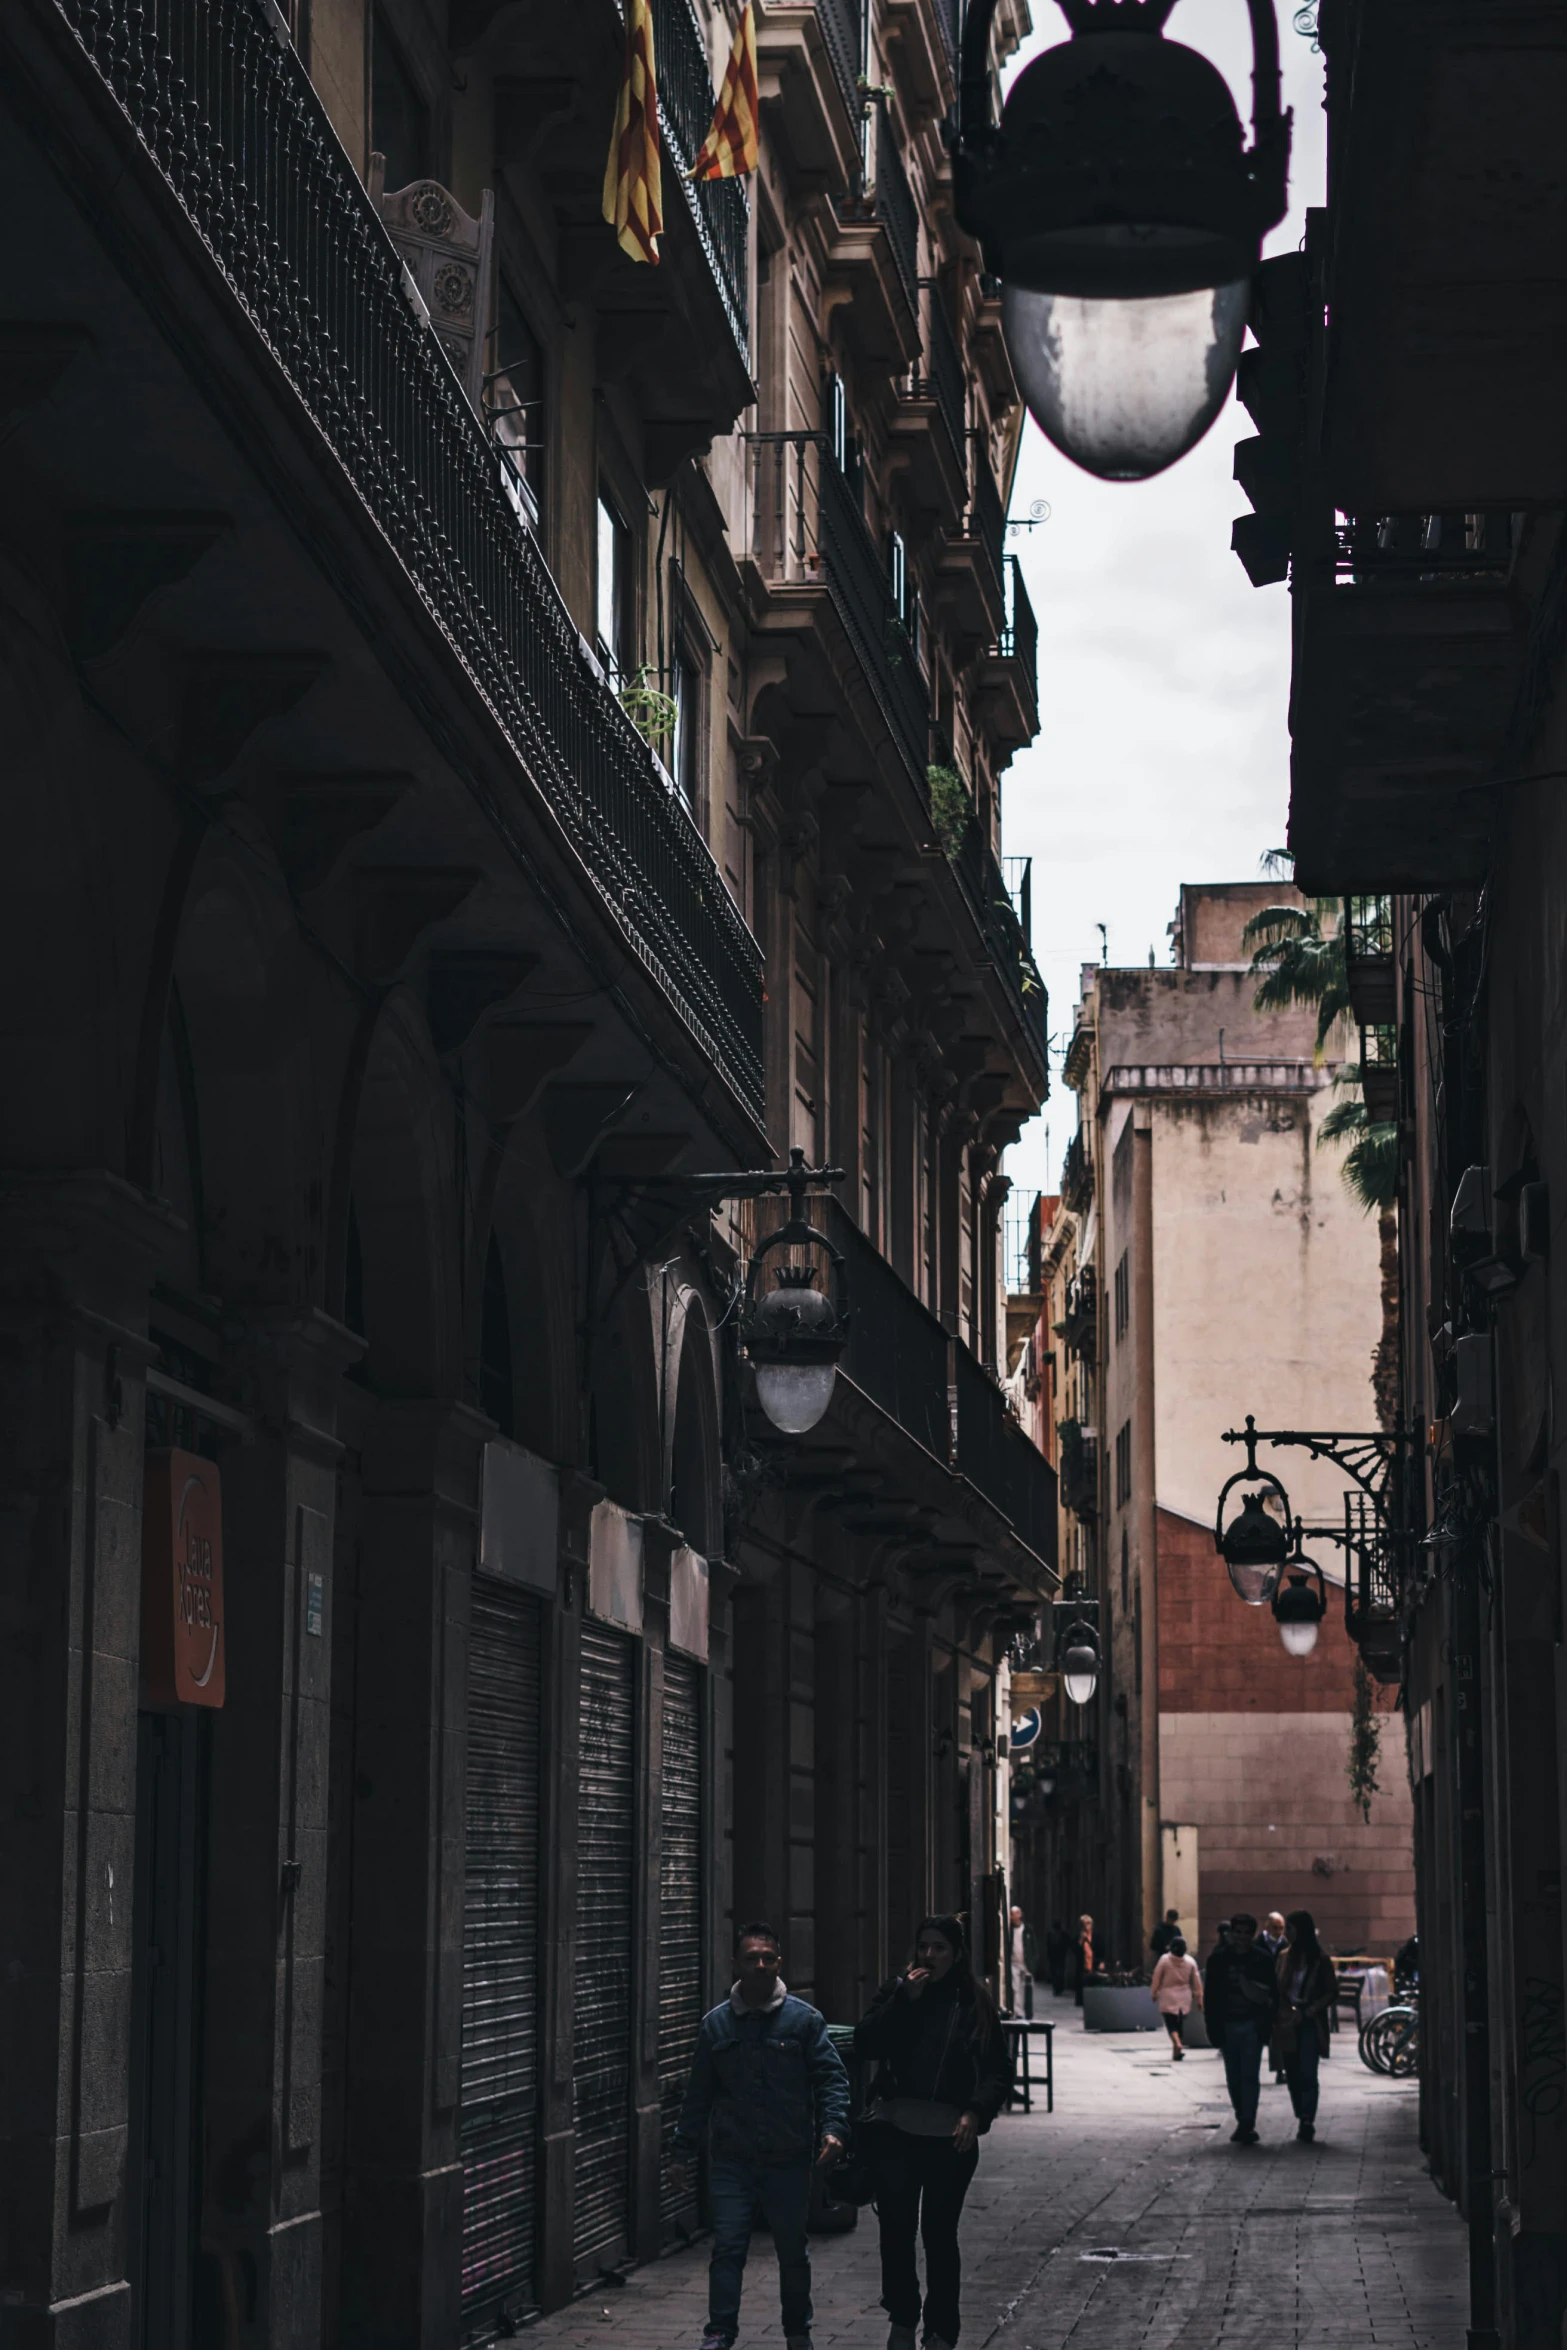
x: 1126, y: 2220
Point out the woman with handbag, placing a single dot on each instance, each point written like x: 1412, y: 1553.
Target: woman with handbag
x: 945, y: 2071
x: 1307, y: 1982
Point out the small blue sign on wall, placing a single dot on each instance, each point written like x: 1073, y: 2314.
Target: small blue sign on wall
x: 1024, y: 1732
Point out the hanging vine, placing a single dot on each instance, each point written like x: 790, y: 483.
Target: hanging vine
x: 1365, y: 1741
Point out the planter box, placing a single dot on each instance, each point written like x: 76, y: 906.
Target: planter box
x: 1109, y: 2010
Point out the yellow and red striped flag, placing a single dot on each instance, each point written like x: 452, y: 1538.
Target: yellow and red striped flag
x: 730, y: 149
x: 633, y: 179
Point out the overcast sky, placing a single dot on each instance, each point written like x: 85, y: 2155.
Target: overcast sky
x: 1163, y: 752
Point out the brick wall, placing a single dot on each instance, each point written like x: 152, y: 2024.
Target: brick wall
x: 1253, y: 1748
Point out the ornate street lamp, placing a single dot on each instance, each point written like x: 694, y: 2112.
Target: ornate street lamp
x: 1124, y: 215
x: 1255, y: 1544
x: 1077, y: 1647
x: 794, y: 1332
x: 1297, y: 1609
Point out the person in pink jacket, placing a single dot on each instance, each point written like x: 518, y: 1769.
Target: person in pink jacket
x: 1175, y: 1990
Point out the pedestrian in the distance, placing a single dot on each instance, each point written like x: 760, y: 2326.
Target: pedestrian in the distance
x: 1165, y: 1932
x: 1271, y: 1936
x: 1058, y: 1950
x: 1025, y: 1961
x: 772, y: 2086
x: 1242, y: 1993
x: 1084, y: 1956
x: 1175, y: 1990
x: 1306, y: 1983
x: 944, y: 2073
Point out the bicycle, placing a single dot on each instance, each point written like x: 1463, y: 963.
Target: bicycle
x: 1390, y: 2042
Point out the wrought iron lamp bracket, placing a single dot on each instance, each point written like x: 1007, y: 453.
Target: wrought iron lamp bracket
x: 1367, y: 1458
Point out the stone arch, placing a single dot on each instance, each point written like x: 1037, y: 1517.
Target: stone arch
x: 695, y: 1481
x: 401, y: 1217
x: 531, y: 1241
x: 237, y: 1017
x: 626, y: 1451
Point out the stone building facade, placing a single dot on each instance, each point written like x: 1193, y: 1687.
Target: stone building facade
x: 494, y: 731
x: 1219, y: 1267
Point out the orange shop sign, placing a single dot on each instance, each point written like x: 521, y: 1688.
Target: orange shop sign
x: 182, y: 1649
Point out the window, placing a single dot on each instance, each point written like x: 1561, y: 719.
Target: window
x: 1126, y: 1573
x: 1123, y: 1296
x: 841, y: 441
x: 1123, y: 1465
x: 685, y: 685
x: 515, y: 395
x: 613, y: 615
x: 399, y: 118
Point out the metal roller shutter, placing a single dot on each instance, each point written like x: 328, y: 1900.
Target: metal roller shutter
x: 681, y: 1938
x: 500, y: 2025
x: 601, y: 2009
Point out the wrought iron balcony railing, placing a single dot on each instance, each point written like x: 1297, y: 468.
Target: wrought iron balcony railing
x: 1077, y: 1175
x: 990, y: 902
x: 1018, y: 874
x: 928, y: 1382
x: 1019, y: 639
x: 942, y: 378
x: 987, y: 518
x: 896, y: 209
x: 1079, y: 1468
x: 1368, y: 959
x: 226, y: 114
x: 720, y: 209
x: 809, y: 525
x: 843, y: 32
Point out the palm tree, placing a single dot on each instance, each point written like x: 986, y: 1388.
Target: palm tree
x: 1298, y: 957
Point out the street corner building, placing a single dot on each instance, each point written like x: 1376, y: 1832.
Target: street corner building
x: 1203, y: 1260
x: 504, y: 737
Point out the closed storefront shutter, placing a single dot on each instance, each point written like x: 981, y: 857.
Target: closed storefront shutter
x: 601, y: 2048
x: 500, y: 2028
x: 681, y: 1937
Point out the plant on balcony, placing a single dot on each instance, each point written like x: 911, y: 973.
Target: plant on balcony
x: 1365, y: 1741
x: 951, y: 809
x: 651, y: 712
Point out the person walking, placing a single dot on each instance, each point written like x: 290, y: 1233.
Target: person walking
x: 1242, y: 1995
x: 1058, y: 1950
x: 1305, y: 1986
x: 1165, y: 1932
x: 1175, y: 1990
x: 944, y: 2074
x: 771, y: 2086
x: 1025, y: 1961
x: 1271, y: 1936
x: 1084, y: 1956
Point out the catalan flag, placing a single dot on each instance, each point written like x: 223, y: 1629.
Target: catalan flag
x: 633, y: 181
x: 729, y: 150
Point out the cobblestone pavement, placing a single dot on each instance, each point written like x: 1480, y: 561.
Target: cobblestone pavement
x: 1127, y: 2221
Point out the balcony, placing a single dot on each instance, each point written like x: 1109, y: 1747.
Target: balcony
x: 993, y: 909
x: 808, y: 72
x: 1408, y: 690
x: 928, y: 429
x: 1079, y: 1469
x: 215, y: 100
x: 873, y: 258
x: 1368, y: 959
x: 1077, y: 1175
x: 719, y: 209
x: 972, y: 574
x: 1379, y: 1072
x: 1079, y: 1325
x: 905, y: 1363
x: 810, y: 530
x: 1008, y: 677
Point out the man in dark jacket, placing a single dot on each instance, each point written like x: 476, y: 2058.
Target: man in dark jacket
x: 1240, y: 1993
x: 770, y: 2082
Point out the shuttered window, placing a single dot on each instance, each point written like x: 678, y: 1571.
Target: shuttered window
x: 500, y: 2033
x: 602, y: 1991
x: 681, y: 1934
